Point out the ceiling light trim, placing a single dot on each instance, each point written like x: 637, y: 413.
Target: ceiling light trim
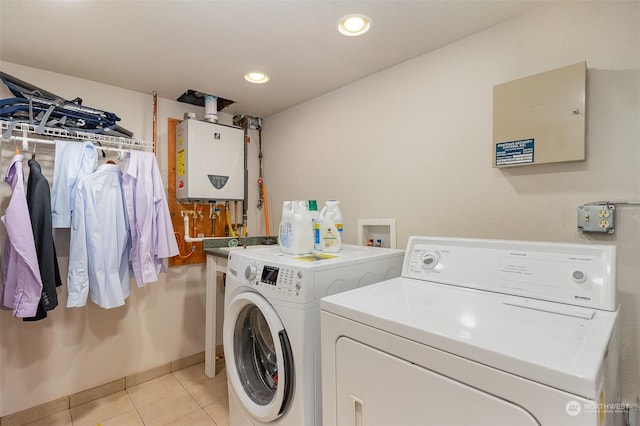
x: 354, y: 24
x: 256, y: 77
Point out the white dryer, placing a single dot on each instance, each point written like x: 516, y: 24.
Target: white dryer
x: 477, y: 332
x: 271, y: 331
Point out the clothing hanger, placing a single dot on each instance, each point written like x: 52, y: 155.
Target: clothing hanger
x: 121, y: 156
x: 104, y: 153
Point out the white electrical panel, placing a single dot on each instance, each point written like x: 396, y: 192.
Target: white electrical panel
x: 209, y: 162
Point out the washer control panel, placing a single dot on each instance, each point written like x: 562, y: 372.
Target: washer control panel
x: 283, y: 281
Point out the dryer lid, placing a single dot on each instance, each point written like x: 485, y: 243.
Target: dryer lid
x: 562, y: 346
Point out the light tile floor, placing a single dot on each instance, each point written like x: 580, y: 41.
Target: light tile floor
x: 185, y: 397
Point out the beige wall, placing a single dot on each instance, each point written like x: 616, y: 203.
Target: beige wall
x: 414, y: 143
x: 79, y: 348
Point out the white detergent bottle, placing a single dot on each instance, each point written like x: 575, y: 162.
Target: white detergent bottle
x: 329, y: 235
x: 285, y: 232
x: 333, y: 206
x: 296, y: 236
x: 303, y: 228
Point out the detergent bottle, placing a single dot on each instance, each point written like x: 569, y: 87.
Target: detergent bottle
x: 296, y: 231
x: 333, y: 206
x: 285, y: 230
x: 329, y: 236
x: 315, y: 223
x: 303, y: 235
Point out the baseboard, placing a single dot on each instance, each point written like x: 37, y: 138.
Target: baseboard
x: 87, y: 395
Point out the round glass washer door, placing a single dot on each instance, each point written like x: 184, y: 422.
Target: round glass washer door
x: 258, y: 356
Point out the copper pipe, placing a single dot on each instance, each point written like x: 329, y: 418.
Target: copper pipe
x: 155, y: 120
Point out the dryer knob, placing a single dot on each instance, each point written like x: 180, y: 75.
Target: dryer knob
x: 429, y: 260
x: 578, y: 276
x: 250, y: 272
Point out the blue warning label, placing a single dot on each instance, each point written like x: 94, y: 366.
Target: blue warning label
x: 515, y: 152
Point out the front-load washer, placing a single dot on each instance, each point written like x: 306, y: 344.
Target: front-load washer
x: 477, y: 332
x: 271, y: 330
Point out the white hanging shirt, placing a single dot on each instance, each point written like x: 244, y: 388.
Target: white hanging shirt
x: 100, y: 241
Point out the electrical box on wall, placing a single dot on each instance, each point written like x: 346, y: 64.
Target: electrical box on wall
x: 209, y: 162
x: 596, y: 218
x: 540, y: 119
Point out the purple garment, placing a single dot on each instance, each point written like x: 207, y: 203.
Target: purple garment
x: 22, y: 287
x: 152, y: 236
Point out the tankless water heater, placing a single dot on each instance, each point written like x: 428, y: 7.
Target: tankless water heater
x: 209, y: 161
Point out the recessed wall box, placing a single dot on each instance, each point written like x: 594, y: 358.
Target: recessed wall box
x: 540, y: 119
x: 209, y: 162
x: 378, y: 230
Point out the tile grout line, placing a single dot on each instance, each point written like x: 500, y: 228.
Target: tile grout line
x: 135, y: 407
x: 201, y: 408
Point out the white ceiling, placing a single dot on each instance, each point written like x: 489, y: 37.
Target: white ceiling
x: 208, y: 45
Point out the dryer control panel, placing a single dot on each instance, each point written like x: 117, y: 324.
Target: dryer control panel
x: 574, y: 274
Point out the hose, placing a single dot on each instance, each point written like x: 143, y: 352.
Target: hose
x: 180, y: 244
x: 232, y: 232
x: 266, y: 209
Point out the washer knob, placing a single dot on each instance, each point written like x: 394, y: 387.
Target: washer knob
x: 578, y: 276
x: 429, y: 260
x: 250, y: 272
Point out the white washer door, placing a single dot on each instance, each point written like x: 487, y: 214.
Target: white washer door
x: 258, y: 356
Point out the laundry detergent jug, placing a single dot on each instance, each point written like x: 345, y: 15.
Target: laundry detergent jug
x: 333, y: 206
x: 330, y: 239
x: 296, y: 229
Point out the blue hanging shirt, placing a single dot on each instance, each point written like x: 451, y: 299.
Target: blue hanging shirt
x: 73, y: 160
x: 100, y: 241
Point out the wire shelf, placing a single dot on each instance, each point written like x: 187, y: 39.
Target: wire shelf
x: 26, y: 132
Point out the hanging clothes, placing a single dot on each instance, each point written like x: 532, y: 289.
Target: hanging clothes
x: 39, y: 203
x: 22, y: 285
x: 152, y: 233
x: 73, y: 160
x: 100, y: 241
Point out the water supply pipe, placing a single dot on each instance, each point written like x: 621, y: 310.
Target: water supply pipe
x: 187, y: 231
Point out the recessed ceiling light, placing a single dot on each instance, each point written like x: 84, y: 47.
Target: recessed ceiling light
x: 256, y: 77
x: 354, y: 25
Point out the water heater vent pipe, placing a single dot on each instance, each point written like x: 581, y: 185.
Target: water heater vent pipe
x: 211, y: 108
